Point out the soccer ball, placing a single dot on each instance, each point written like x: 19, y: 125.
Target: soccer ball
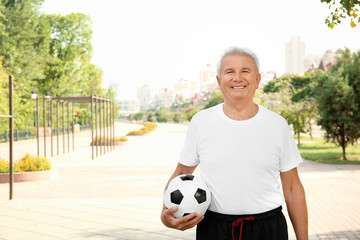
x: 189, y: 193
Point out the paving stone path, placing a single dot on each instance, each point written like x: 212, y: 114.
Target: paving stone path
x: 119, y: 195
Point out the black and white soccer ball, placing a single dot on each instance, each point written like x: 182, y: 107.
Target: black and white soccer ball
x: 189, y: 193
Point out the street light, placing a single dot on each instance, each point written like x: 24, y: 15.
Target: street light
x: 47, y: 96
x: 34, y: 94
x: 34, y: 97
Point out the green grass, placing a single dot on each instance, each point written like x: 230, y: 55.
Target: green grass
x: 319, y: 150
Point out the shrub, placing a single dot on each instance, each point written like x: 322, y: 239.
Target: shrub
x: 4, y: 166
x: 138, y: 132
x: 149, y: 125
x: 146, y: 129
x: 29, y: 163
x: 121, y: 139
x: 101, y: 139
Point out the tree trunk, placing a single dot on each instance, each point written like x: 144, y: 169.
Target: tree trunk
x: 343, y: 143
x: 344, y: 151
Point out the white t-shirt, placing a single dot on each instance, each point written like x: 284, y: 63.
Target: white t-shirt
x: 241, y: 161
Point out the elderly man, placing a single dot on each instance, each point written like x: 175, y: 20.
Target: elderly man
x: 242, y: 149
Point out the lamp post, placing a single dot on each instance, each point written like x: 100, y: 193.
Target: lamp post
x: 35, y: 97
x: 47, y: 96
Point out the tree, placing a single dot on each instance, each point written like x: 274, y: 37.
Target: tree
x: 292, y: 97
x: 337, y: 107
x: 49, y: 53
x: 215, y: 98
x: 24, y: 42
x: 342, y: 9
x: 69, y: 57
x: 4, y: 93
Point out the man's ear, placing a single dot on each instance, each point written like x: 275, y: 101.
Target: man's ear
x: 258, y: 79
x: 218, y: 79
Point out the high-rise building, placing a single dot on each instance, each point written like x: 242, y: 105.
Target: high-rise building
x: 185, y: 88
x: 143, y: 93
x: 208, y: 78
x: 295, y: 56
x: 144, y: 97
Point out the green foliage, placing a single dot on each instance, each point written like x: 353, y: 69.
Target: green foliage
x: 138, y: 116
x: 179, y: 117
x: 29, y: 163
x: 24, y: 42
x: 337, y: 108
x: 277, y: 84
x: 4, y: 166
x: 342, y: 9
x: 292, y: 97
x: 48, y: 53
x: 164, y: 115
x: 215, y: 98
x: 316, y: 149
x: 69, y: 71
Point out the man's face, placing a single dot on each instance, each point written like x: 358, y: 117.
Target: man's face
x: 239, y: 78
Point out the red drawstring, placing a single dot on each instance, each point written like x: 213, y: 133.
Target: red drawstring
x: 237, y: 222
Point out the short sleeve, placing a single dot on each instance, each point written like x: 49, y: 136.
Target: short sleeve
x: 290, y: 155
x: 189, y: 154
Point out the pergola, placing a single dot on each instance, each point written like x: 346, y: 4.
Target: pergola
x: 102, y: 122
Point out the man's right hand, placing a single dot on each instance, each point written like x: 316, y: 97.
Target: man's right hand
x: 182, y: 223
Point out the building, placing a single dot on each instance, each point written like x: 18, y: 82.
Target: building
x: 165, y: 98
x: 266, y: 77
x: 295, y: 56
x: 208, y: 78
x: 329, y: 57
x: 143, y: 94
x: 323, y: 62
x: 185, y: 88
x: 312, y: 60
x: 144, y: 97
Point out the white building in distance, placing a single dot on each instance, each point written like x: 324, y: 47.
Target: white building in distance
x: 208, y: 78
x: 295, y: 56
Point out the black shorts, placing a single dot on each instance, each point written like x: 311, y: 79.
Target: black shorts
x: 269, y: 225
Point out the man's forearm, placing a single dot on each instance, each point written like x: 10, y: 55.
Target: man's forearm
x: 297, y: 209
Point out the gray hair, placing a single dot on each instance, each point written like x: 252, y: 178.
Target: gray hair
x: 238, y: 51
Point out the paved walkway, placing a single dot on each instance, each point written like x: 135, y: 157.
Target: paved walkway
x: 119, y: 195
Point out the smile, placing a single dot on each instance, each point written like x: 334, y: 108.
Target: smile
x: 238, y: 87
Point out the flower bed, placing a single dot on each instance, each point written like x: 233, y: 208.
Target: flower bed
x: 148, y: 127
x: 27, y: 176
x: 28, y: 168
x: 107, y: 141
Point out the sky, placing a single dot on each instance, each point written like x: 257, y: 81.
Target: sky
x: 158, y: 42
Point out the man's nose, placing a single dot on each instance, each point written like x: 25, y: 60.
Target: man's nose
x: 237, y: 76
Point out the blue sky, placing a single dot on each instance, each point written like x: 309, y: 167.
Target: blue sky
x: 160, y: 41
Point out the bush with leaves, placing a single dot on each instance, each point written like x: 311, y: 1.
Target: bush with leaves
x: 29, y: 163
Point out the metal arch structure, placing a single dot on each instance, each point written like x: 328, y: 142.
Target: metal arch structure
x: 11, y: 135
x: 103, y: 131
x: 105, y: 107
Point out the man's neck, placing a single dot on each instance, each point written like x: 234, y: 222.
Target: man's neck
x: 240, y: 111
